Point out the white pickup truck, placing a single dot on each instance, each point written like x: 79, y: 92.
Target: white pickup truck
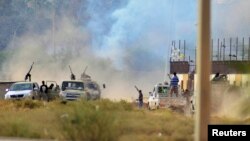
x: 73, y: 90
x: 160, y: 97
x: 160, y: 90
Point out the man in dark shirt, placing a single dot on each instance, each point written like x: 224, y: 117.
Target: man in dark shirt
x: 44, y: 91
x: 140, y: 98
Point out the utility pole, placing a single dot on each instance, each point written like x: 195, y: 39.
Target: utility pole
x: 184, y: 50
x: 237, y: 48
x: 179, y: 50
x: 249, y: 49
x: 224, y: 47
x: 203, y: 72
x: 230, y: 45
x: 243, y: 45
x: 218, y: 45
x: 220, y: 50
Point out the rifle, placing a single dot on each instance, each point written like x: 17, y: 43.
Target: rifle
x: 72, y: 76
x: 85, y: 69
x: 28, y: 75
x: 137, y: 89
x: 169, y: 76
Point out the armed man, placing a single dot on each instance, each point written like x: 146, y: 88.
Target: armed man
x: 28, y: 75
x: 72, y: 76
x: 140, y: 98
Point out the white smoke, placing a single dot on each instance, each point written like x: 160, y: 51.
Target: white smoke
x: 123, y: 43
x: 230, y: 18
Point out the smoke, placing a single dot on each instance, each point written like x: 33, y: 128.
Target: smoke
x: 230, y: 18
x: 123, y: 43
x: 143, y: 30
x: 53, y: 51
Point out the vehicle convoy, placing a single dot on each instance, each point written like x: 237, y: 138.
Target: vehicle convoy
x: 23, y: 90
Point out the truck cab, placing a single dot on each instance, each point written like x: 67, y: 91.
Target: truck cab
x: 160, y: 90
x: 73, y: 90
x: 91, y: 87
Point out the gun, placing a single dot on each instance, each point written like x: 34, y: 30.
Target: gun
x: 85, y: 69
x: 72, y: 76
x: 28, y: 75
x: 169, y: 76
x: 137, y: 89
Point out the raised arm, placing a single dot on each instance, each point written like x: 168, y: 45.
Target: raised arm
x: 169, y: 76
x: 137, y: 89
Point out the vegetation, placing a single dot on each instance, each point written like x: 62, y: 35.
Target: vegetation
x: 96, y: 120
x: 91, y: 120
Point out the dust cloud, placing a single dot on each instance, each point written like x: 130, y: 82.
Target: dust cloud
x: 52, y: 55
x: 231, y: 102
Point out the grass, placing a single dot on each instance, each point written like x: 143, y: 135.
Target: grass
x: 102, y: 120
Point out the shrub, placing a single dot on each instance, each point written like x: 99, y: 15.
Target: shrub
x: 86, y: 123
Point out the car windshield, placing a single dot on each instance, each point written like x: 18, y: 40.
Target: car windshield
x: 21, y: 87
x: 72, y: 85
x: 92, y: 86
x: 163, y: 89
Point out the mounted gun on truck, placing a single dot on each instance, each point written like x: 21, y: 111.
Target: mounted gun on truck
x: 72, y: 76
x: 92, y: 87
x: 28, y: 75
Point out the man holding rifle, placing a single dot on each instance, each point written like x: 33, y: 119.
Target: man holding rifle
x: 140, y: 98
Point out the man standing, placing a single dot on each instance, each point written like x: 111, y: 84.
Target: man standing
x: 140, y: 98
x: 44, y: 91
x: 174, y: 84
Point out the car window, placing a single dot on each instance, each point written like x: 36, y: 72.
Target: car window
x: 36, y: 86
x: 162, y: 89
x: 21, y: 87
x: 165, y: 89
x: 72, y: 85
x: 92, y: 86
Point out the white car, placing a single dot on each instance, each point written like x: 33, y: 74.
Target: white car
x: 22, y: 90
x: 73, y: 90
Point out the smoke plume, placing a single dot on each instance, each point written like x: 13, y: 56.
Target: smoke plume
x: 123, y: 43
